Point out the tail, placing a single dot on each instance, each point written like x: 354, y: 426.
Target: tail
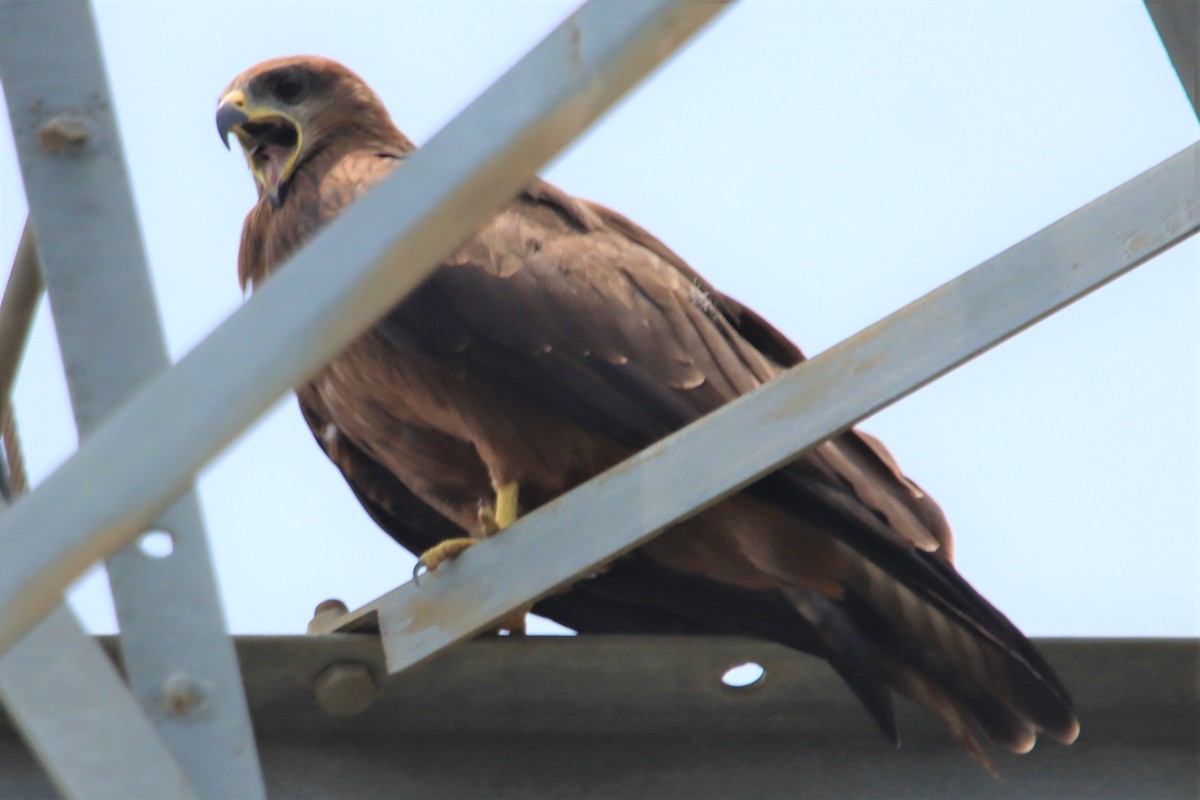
x: 950, y: 651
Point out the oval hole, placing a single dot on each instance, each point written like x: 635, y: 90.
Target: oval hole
x: 743, y: 675
x: 156, y: 544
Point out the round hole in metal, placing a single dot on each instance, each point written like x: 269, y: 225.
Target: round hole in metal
x: 743, y: 676
x: 156, y: 544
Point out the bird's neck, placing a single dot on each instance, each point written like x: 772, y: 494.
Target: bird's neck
x: 324, y: 182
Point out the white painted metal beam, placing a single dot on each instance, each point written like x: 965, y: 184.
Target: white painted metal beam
x: 57, y: 685
x: 76, y: 713
x: 177, y: 656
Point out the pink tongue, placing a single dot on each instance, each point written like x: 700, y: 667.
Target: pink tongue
x: 275, y: 157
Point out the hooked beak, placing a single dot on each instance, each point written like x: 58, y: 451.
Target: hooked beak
x: 230, y: 114
x: 270, y: 139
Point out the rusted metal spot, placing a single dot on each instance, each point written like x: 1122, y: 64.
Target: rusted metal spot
x: 183, y: 695
x: 1136, y: 244
x: 62, y: 131
x: 576, y: 36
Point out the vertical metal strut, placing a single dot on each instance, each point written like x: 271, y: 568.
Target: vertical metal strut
x: 57, y: 684
x: 179, y: 660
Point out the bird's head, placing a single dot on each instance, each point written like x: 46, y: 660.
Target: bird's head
x: 285, y: 109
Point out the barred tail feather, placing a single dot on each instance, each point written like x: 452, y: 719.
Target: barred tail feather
x: 943, y: 658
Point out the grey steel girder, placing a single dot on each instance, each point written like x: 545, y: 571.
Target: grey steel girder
x: 648, y: 717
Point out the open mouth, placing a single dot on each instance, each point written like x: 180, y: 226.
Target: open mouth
x: 270, y: 145
x: 271, y: 132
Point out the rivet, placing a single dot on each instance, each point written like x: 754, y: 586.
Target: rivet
x: 183, y: 695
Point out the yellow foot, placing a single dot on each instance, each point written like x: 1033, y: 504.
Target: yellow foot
x: 498, y: 517
x: 441, y: 552
x: 492, y: 520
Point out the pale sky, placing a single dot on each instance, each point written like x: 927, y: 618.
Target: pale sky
x: 826, y: 164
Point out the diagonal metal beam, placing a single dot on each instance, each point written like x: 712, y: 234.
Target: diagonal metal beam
x: 1178, y: 24
x: 177, y: 656
x: 678, y: 476
x: 57, y: 671
x: 77, y: 714
x: 143, y: 457
x: 17, y: 310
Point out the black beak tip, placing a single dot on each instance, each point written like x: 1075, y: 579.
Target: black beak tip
x: 228, y: 117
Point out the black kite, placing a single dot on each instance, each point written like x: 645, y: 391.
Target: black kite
x: 560, y: 339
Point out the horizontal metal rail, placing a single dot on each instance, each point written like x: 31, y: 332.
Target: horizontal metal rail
x: 677, y: 477
x: 136, y: 463
x: 648, y: 717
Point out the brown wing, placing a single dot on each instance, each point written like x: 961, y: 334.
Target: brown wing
x: 590, y: 319
x: 634, y: 595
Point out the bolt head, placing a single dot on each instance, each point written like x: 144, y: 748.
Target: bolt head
x: 345, y: 689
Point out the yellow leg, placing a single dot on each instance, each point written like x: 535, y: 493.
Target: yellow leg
x: 503, y: 513
x: 491, y: 520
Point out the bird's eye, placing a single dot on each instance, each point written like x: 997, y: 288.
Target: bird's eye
x: 289, y: 87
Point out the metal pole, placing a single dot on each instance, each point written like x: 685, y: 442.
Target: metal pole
x: 176, y: 654
x: 145, y: 454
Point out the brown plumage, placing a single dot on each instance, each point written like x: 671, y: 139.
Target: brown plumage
x: 560, y: 339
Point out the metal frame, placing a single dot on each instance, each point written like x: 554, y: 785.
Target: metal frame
x: 626, y: 716
x: 69, y: 149
x: 76, y: 712
x: 177, y: 657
